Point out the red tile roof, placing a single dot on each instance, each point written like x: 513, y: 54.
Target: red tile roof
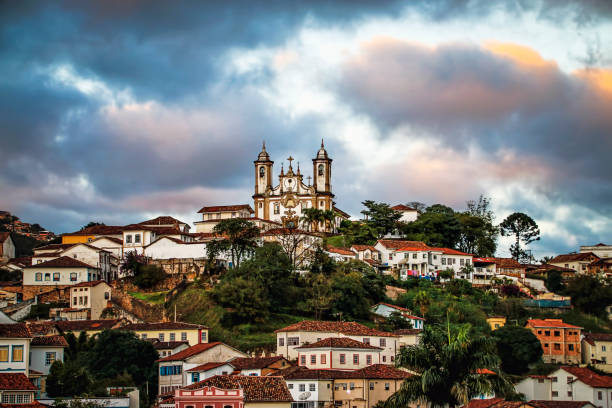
x: 15, y: 382
x: 162, y: 220
x: 254, y: 363
x: 450, y: 251
x: 347, y: 328
x: 34, y: 404
x: 208, y: 366
x: 285, y: 231
x: 341, y: 251
x: 218, y: 208
x: 163, y: 326
x: 554, y: 323
x: 380, y: 371
x: 14, y: 331
x: 397, y: 244
x: 256, y: 389
x: 42, y: 328
x: 589, y: 377
x: 363, y: 247
x: 407, y: 332
x: 54, y: 341
x: 191, y: 351
x: 87, y: 325
x: 484, y: 403
x: 402, y: 207
x: 583, y: 256
x: 508, y: 263
x: 339, y: 342
x: 89, y: 284
x: 98, y: 230
x: 165, y: 345
x: 591, y: 338
x: 375, y: 371
x: 559, y: 404
x: 63, y: 262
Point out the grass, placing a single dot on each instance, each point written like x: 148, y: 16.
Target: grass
x: 156, y: 298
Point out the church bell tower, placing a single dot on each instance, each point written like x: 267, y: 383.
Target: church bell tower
x: 321, y: 171
x: 263, y: 179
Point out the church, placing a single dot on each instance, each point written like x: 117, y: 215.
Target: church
x: 285, y: 202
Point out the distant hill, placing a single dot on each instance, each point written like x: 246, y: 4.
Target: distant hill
x: 25, y: 236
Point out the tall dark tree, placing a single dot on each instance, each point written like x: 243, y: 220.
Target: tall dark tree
x: 417, y: 205
x: 554, y: 281
x: 517, y: 347
x: 478, y: 233
x: 239, y: 239
x: 590, y: 294
x: 451, y: 368
x: 437, y: 226
x: 381, y: 216
x: 523, y: 228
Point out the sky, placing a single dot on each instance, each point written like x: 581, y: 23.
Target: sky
x: 120, y: 111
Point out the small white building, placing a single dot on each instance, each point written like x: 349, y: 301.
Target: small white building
x: 60, y: 271
x: 15, y: 341
x: 338, y: 353
x: 386, y: 309
x: 172, y: 248
x: 601, y: 250
x: 211, y: 215
x: 535, y: 387
x: 45, y: 350
x: 409, y: 214
x: 340, y: 254
x: 207, y: 370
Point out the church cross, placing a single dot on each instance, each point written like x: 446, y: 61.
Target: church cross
x: 290, y: 160
x: 308, y: 179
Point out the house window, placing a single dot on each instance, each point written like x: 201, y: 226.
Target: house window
x: 290, y: 386
x: 85, y: 300
x: 49, y: 358
x: 383, y: 342
x: 570, y: 379
x: 371, y: 386
x: 183, y: 336
x: 47, y: 277
x: 128, y: 239
x: 302, y: 387
x: 603, y: 348
x: 555, y: 394
x: 553, y: 379
x: 313, y: 359
x: 4, y: 352
x: 547, y: 332
x: 366, y: 340
x: 321, y: 169
x: 293, y: 341
x: 73, y: 276
x: 443, y: 261
x: 558, y: 333
x: 161, y: 336
x: 74, y: 301
x: 387, y: 386
x: 414, y: 256
x: 545, y: 344
x: 137, y: 238
x: 38, y: 276
x: 302, y: 360
x: 172, y: 336
x: 276, y: 209
x: 342, y: 359
x: 323, y: 359
x: 569, y: 393
x: 355, y: 359
x: 570, y: 347
x: 195, y: 377
x: 557, y: 346
x: 106, y: 295
x: 16, y: 398
x: 312, y: 387
x: 17, y: 353
x: 599, y: 395
x: 369, y: 359
x: 351, y: 386
x: 462, y: 262
x: 143, y: 336
x: 281, y: 341
x: 203, y: 336
x: 384, y: 359
x: 539, y: 331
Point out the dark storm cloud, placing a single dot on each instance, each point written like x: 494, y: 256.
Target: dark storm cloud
x: 465, y: 94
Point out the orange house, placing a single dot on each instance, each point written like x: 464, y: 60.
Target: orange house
x: 560, y: 341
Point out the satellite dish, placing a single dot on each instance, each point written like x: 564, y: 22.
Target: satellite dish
x: 304, y: 395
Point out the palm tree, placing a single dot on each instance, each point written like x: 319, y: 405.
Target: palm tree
x: 310, y: 217
x: 451, y: 368
x: 422, y: 301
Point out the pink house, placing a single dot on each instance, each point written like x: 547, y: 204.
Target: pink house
x: 209, y: 397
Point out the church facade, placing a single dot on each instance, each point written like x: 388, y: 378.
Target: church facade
x: 286, y: 201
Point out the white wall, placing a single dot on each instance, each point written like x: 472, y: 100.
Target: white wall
x: 37, y: 361
x: 165, y: 248
x: 29, y: 275
x: 16, y: 366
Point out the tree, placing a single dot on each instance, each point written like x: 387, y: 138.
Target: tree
x: 67, y: 380
x: 510, y: 290
x: 131, y: 263
x: 239, y: 239
x: 381, y: 216
x: 590, y: 294
x: 437, y: 226
x: 149, y: 275
x: 422, y: 301
x: 320, y: 294
x: 450, y: 368
x: 246, y: 299
x: 517, y: 347
x: 396, y: 321
x: 446, y: 274
x: 296, y: 244
x: 350, y: 297
x: 554, y: 281
x: 417, y: 205
x: 91, y: 224
x: 524, y: 229
x: 358, y: 233
x: 314, y: 217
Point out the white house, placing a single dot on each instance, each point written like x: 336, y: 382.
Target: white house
x: 535, y: 387
x: 207, y: 370
x: 59, y: 271
x: 172, y: 248
x: 7, y: 247
x: 409, y: 214
x: 386, y: 309
x: 110, y: 244
x: 338, y: 353
x: 87, y: 301
x: 211, y: 215
x: 601, y: 250
x: 14, y: 348
x: 45, y: 350
x: 340, y: 254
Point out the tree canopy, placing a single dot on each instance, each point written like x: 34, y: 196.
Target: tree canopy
x: 381, y: 216
x: 518, y: 348
x: 524, y: 229
x: 239, y: 240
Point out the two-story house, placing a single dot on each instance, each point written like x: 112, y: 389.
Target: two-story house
x: 57, y: 273
x: 560, y: 341
x: 259, y: 365
x: 45, y: 350
x: 338, y: 353
x: 289, y: 338
x: 578, y: 262
x: 15, y: 341
x: 597, y: 350
x: 87, y: 301
x: 387, y: 309
x: 581, y: 384
x: 170, y: 331
x: 211, y: 215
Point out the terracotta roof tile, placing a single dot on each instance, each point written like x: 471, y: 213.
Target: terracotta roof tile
x: 86, y: 325
x: 208, y: 366
x: 162, y: 220
x: 163, y: 326
x: 507, y: 263
x: 256, y: 389
x: 380, y: 371
x: 14, y: 331
x: 559, y: 404
x: 339, y: 342
x: 42, y: 328
x: 89, y: 284
x: 407, y: 332
x: 555, y: 323
x: 402, y: 207
x: 484, y: 403
x: 57, y: 341
x: 218, y: 208
x: 254, y: 363
x: 375, y: 371
x: 191, y: 351
x: 341, y: 251
x: 347, y: 328
x: 397, y: 243
x: 363, y: 247
x: 583, y: 256
x: 15, y: 382
x: 98, y: 230
x: 589, y: 377
x: 165, y: 345
x: 63, y: 262
x: 591, y: 338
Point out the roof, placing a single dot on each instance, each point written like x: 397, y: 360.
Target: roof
x: 553, y: 323
x: 89, y: 284
x: 86, y: 325
x: 63, y: 262
x: 484, y: 403
x: 254, y: 363
x: 375, y: 371
x: 15, y: 382
x: 450, y: 251
x: 591, y: 338
x: 22, y: 260
x: 99, y: 230
x: 218, y: 208
x: 42, y: 328
x: 34, y: 404
x: 348, y: 328
x: 165, y: 345
x: 402, y: 207
x: 255, y: 388
x: 407, y: 332
x: 191, y: 351
x: 208, y: 366
x: 339, y: 342
x: 4, y: 236
x: 14, y: 331
x: 341, y: 251
x: 583, y: 256
x: 507, y: 263
x: 342, y: 213
x: 382, y: 371
x: 589, y: 377
x: 112, y: 239
x: 54, y: 341
x: 549, y: 267
x: 54, y: 247
x: 397, y: 244
x: 363, y: 247
x: 162, y: 220
x: 163, y: 326
x: 558, y: 404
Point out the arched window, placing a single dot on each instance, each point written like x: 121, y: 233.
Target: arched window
x: 262, y: 171
x: 321, y: 168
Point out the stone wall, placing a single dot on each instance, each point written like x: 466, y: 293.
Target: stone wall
x: 45, y: 293
x: 141, y: 310
x: 183, y: 268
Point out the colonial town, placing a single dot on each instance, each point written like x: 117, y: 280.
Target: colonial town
x: 306, y: 204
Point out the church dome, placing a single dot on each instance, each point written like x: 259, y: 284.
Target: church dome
x: 263, y: 155
x: 322, y: 153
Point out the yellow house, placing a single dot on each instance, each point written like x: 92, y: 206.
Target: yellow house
x: 91, y: 233
x: 170, y: 331
x: 496, y: 322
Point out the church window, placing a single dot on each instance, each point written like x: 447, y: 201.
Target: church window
x: 262, y: 171
x: 260, y: 205
x: 276, y: 209
x: 321, y: 168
